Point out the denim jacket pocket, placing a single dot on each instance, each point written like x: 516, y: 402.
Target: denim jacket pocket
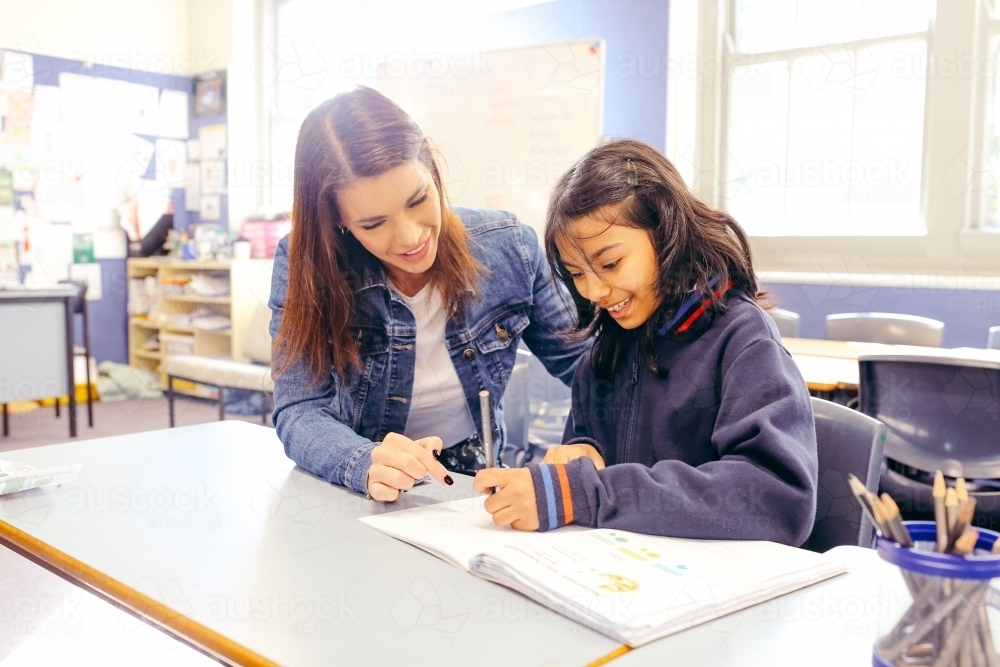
x: 497, y: 342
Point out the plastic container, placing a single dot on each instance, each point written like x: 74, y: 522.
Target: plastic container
x: 176, y: 343
x: 946, y: 623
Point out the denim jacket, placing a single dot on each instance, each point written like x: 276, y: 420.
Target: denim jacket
x: 330, y: 428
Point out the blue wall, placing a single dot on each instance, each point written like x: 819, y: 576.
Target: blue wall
x: 635, y: 32
x: 967, y: 313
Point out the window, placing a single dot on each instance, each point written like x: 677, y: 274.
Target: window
x: 823, y: 112
x: 990, y: 173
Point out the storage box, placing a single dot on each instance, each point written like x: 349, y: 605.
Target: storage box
x: 176, y: 343
x: 264, y: 236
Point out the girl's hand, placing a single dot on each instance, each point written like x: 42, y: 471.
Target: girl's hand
x: 566, y: 453
x: 514, y: 503
x: 399, y: 462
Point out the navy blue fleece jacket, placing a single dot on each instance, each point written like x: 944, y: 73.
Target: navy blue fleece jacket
x: 721, y: 447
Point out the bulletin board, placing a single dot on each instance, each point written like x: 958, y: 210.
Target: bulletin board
x: 78, y: 142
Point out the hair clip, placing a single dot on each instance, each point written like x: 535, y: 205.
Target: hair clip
x: 633, y: 178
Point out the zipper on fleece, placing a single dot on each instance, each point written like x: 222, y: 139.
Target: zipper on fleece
x: 630, y: 431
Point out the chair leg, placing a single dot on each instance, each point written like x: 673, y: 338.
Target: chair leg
x: 57, y: 407
x: 6, y: 422
x: 263, y: 408
x: 222, y: 404
x: 170, y: 398
x: 90, y: 396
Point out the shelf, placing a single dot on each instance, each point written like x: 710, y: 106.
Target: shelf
x: 142, y: 322
x: 211, y: 332
x: 147, y: 354
x: 197, y: 298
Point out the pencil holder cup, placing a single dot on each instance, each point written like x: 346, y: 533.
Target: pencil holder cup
x: 946, y: 625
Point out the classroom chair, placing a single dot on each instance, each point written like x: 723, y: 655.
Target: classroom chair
x: 890, y: 328
x: 848, y: 442
x: 787, y: 321
x: 993, y: 339
x: 941, y: 414
x: 225, y: 373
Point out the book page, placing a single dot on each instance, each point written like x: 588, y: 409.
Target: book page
x: 455, y: 531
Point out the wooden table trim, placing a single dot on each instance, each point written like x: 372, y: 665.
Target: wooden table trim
x: 204, y: 638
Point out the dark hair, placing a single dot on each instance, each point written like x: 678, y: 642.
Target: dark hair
x: 635, y: 185
x: 357, y: 134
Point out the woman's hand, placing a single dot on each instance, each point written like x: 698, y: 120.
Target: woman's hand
x: 566, y: 453
x: 399, y: 462
x: 514, y: 503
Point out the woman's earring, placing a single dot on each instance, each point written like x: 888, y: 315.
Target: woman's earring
x: 342, y: 229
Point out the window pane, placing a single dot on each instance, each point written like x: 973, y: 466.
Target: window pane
x: 772, y: 25
x: 755, y: 188
x: 819, y: 142
x: 991, y: 147
x: 885, y: 171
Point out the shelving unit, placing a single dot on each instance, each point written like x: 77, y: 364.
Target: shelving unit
x: 249, y: 286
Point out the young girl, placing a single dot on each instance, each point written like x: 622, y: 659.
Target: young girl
x: 689, y: 417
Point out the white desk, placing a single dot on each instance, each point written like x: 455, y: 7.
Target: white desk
x: 213, y: 524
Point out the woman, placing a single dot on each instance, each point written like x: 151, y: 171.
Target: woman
x: 392, y: 311
x: 689, y: 417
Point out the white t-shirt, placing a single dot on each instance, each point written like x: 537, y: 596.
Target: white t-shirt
x: 438, y: 405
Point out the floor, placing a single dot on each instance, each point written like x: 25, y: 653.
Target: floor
x: 42, y: 427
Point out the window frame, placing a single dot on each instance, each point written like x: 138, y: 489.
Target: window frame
x: 953, y: 130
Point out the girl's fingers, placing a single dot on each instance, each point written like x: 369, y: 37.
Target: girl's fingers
x: 490, y: 477
x: 505, y: 516
x: 382, y: 493
x: 496, y: 502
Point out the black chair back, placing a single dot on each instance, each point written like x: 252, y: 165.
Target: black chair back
x: 848, y: 443
x: 941, y: 413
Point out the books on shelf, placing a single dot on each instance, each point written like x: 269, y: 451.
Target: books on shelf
x: 633, y: 588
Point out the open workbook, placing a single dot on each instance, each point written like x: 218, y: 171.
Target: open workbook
x: 631, y: 587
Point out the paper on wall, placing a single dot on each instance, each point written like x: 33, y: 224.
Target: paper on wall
x: 151, y: 205
x: 213, y: 177
x: 210, y: 207
x: 213, y: 142
x: 17, y: 71
x: 19, y: 105
x: 171, y: 162
x: 130, y: 174
x: 52, y: 250
x: 192, y: 189
x: 194, y: 150
x: 48, y: 103
x: 110, y: 244
x: 89, y: 273
x: 173, y: 114
x: 143, y: 108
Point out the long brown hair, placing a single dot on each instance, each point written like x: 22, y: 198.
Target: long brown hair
x: 357, y: 134
x: 638, y: 186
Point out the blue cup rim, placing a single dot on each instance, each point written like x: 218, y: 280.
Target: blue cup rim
x: 936, y: 564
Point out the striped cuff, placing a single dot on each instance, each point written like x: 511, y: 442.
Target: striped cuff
x: 553, y: 495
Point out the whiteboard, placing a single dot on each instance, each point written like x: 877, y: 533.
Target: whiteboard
x: 508, y: 123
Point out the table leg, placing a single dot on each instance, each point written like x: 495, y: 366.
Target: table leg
x: 71, y: 381
x: 222, y: 404
x: 170, y: 398
x: 6, y: 422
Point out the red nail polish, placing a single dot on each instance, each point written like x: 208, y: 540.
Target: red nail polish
x: 437, y: 454
x: 448, y: 480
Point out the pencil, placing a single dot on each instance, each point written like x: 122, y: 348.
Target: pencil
x: 961, y: 523
x: 895, y: 521
x: 862, y: 494
x: 950, y: 508
x: 967, y: 542
x: 484, y: 408
x: 940, y: 519
x: 961, y: 491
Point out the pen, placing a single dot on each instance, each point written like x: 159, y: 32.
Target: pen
x: 484, y: 409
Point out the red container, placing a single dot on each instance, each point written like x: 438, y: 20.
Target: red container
x: 264, y: 236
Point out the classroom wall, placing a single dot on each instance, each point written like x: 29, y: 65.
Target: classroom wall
x: 635, y: 31
x: 183, y: 37
x: 967, y: 307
